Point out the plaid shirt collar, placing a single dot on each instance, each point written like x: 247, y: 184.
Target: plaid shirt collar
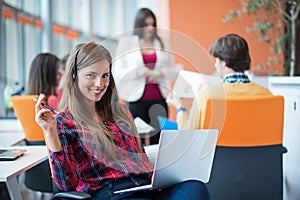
x: 236, y: 78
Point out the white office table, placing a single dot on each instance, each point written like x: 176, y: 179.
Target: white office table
x: 11, y: 132
x: 9, y: 170
x: 10, y: 125
x: 11, y: 138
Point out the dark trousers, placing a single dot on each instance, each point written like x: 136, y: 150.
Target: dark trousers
x: 187, y: 190
x: 149, y: 110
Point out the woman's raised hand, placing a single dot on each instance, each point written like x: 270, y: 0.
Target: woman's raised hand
x: 44, y: 117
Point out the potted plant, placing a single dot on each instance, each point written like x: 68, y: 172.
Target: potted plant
x: 273, y: 17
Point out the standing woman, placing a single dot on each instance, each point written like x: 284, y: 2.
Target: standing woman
x: 143, y: 69
x: 44, y: 77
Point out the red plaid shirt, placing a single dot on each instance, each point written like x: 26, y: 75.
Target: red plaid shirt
x: 75, y: 168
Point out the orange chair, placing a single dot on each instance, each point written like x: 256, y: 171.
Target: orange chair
x: 24, y: 109
x: 248, y: 158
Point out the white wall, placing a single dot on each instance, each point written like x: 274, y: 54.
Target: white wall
x: 289, y: 87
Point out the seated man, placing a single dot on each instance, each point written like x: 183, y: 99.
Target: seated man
x: 232, y: 59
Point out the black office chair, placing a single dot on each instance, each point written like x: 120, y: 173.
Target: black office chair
x: 248, y: 157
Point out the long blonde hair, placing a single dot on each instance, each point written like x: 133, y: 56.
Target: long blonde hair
x: 109, y: 106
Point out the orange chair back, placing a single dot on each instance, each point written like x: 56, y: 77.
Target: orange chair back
x: 251, y: 121
x: 25, y: 112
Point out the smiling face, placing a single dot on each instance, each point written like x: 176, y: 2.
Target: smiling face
x: 93, y: 80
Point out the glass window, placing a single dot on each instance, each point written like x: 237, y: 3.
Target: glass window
x: 80, y: 15
x: 61, y: 11
x: 32, y: 6
x: 13, y: 3
x: 11, y: 53
x: 62, y: 45
x: 32, y: 39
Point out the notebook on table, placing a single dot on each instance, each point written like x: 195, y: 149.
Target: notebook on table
x: 11, y: 154
x: 182, y: 155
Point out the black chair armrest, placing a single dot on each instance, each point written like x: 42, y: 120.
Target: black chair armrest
x: 68, y: 195
x: 71, y: 195
x: 284, y: 149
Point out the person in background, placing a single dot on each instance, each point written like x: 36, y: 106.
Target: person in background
x: 63, y: 63
x: 232, y: 59
x: 143, y: 68
x: 93, y: 142
x: 44, y: 77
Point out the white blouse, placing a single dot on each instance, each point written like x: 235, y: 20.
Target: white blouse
x: 129, y: 61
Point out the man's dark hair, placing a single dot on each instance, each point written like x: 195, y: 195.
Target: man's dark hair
x: 233, y: 50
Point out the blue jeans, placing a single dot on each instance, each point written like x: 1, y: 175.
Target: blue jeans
x: 187, y: 190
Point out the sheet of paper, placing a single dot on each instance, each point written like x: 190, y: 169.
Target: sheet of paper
x: 188, y: 83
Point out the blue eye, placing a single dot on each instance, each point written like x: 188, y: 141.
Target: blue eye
x: 90, y: 75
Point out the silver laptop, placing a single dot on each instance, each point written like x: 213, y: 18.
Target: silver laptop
x: 11, y: 154
x: 182, y: 155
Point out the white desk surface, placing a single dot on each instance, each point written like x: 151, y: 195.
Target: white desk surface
x: 11, y: 138
x: 34, y: 155
x: 10, y: 125
x: 11, y: 132
x: 9, y: 170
